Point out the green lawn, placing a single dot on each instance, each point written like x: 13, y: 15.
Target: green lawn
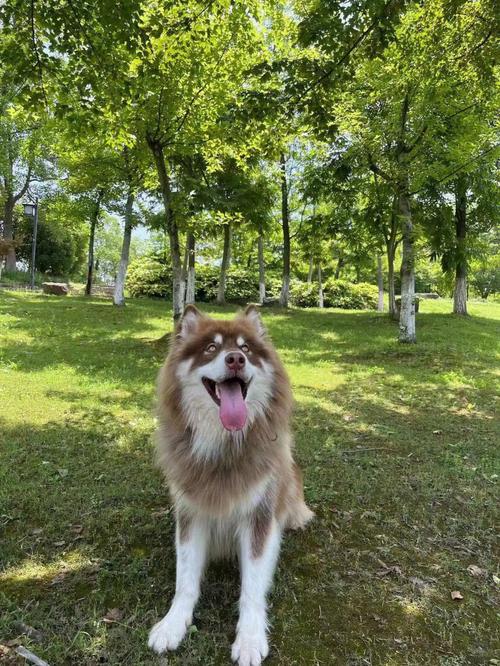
x: 399, y: 447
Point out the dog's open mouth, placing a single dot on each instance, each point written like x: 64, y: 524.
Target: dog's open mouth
x: 229, y: 396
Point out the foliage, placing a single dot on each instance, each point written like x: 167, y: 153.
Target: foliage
x: 348, y: 295
x: 60, y: 251
x: 304, y: 295
x: 149, y: 275
x: 485, y: 276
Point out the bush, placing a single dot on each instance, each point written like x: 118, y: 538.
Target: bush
x: 242, y: 286
x: 273, y: 286
x: 149, y: 275
x: 350, y: 296
x: 304, y: 295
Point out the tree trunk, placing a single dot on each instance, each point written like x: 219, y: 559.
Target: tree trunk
x: 380, y: 283
x: 262, y: 269
x: 8, y: 233
x: 311, y: 267
x: 460, y: 289
x: 321, y: 301
x: 407, y: 330
x: 190, y: 282
x: 285, y: 219
x: 172, y: 229
x: 119, y: 295
x: 90, y: 260
x: 340, y: 265
x: 391, y: 244
x: 226, y: 261
x: 390, y: 281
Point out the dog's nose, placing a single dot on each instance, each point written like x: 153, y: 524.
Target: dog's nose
x: 235, y: 361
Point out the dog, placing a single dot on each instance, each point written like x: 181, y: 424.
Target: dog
x: 225, y: 447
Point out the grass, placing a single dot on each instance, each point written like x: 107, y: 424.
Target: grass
x: 399, y: 446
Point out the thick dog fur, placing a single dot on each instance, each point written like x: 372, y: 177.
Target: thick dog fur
x: 234, y: 491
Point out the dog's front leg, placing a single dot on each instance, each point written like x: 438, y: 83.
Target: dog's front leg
x: 259, y: 548
x: 191, y: 540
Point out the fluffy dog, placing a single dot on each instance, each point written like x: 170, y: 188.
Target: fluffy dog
x: 225, y: 446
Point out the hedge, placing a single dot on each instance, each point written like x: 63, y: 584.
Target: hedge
x: 151, y: 276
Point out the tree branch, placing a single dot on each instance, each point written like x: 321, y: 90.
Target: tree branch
x: 416, y: 140
x: 346, y: 55
x: 24, y: 188
x: 377, y: 170
x: 35, y: 48
x: 459, y: 168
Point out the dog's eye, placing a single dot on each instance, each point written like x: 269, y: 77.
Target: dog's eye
x: 244, y: 348
x: 211, y: 348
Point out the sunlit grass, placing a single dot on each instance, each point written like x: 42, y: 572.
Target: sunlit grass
x: 399, y: 447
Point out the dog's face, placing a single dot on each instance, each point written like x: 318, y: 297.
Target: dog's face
x: 225, y: 370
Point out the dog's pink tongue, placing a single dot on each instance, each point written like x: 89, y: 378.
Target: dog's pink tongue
x: 232, y: 410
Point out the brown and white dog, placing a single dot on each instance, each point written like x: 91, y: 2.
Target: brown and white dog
x: 225, y: 446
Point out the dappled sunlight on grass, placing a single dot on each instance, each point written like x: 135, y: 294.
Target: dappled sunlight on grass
x: 34, y: 572
x: 400, y: 464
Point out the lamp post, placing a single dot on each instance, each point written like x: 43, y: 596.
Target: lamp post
x: 31, y: 210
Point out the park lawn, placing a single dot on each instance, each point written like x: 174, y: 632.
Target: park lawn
x: 399, y: 447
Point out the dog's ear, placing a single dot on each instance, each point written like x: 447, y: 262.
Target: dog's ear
x: 252, y: 315
x: 190, y: 320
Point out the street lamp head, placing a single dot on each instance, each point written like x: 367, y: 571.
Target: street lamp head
x: 29, y: 210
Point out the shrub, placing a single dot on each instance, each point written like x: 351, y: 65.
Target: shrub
x: 241, y: 285
x: 304, y: 295
x: 273, y: 286
x: 350, y: 296
x: 149, y: 275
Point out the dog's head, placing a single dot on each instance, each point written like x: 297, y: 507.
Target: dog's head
x: 225, y: 369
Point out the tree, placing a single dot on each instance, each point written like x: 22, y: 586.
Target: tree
x: 23, y: 142
x: 398, y: 110
x: 60, y: 242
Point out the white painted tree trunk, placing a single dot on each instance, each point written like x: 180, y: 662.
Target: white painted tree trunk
x: 460, y: 295
x: 460, y: 288
x: 380, y: 282
x: 119, y: 294
x: 407, y: 327
x: 321, y: 300
x: 191, y: 277
x: 262, y: 269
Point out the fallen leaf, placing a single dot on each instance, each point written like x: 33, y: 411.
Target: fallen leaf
x: 77, y: 529
x: 437, y: 432
x: 113, y: 615
x: 59, y: 543
x: 456, y: 595
x: 496, y: 579
x: 62, y: 472
x: 36, y: 531
x: 476, y: 571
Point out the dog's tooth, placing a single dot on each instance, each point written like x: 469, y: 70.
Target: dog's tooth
x: 217, y: 392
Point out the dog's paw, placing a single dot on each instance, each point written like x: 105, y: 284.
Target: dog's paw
x: 250, y: 649
x: 169, y: 632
